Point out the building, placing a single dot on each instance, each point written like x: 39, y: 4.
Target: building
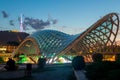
x: 9, y: 41
x: 53, y: 44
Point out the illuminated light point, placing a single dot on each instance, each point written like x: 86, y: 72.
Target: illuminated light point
x: 21, y: 25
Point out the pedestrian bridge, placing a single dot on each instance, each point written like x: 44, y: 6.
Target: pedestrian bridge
x: 98, y: 38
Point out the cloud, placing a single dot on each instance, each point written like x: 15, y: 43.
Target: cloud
x: 54, y: 21
x: 29, y: 22
x: 37, y: 23
x: 5, y: 14
x: 11, y: 22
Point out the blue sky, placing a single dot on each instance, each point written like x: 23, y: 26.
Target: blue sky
x: 71, y: 16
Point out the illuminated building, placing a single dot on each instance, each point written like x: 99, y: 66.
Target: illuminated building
x: 52, y: 44
x: 9, y: 41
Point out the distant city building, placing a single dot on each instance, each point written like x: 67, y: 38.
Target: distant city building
x: 9, y: 40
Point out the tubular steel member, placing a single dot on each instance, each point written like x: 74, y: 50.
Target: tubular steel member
x: 51, y: 44
x: 96, y: 37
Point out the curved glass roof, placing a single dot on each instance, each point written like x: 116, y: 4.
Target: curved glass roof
x: 51, y: 42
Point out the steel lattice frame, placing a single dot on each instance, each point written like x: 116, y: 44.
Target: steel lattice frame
x: 46, y: 43
x: 100, y: 34
x: 50, y: 43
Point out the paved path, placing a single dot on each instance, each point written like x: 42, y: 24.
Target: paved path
x: 59, y: 72
x: 52, y: 72
x: 80, y: 75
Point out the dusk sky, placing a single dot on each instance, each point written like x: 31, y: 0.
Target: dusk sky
x: 69, y: 16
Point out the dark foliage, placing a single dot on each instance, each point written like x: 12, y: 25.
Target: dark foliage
x: 105, y: 70
x: 117, y: 57
x: 1, y: 60
x: 41, y: 63
x: 78, y: 63
x: 10, y: 65
x: 97, y: 57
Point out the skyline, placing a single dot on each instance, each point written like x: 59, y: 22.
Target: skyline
x: 69, y: 16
